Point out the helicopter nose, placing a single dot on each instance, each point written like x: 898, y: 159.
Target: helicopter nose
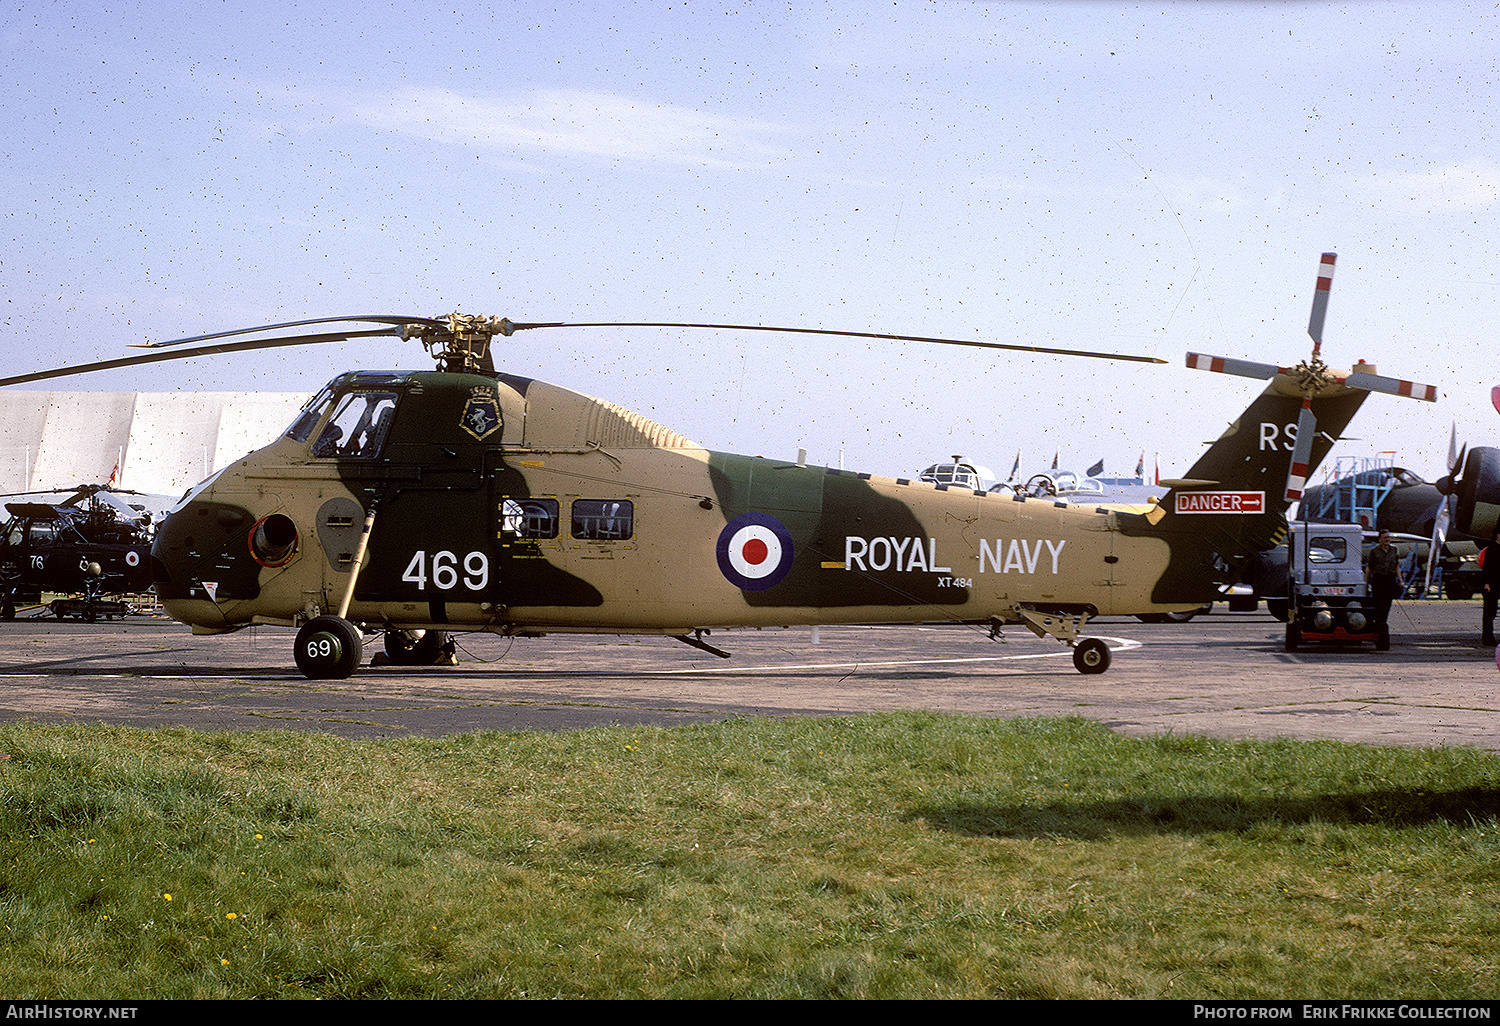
x: 205, y: 541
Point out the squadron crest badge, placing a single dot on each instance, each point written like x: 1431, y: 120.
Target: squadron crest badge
x: 481, y: 416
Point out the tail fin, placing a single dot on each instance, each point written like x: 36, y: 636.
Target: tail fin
x: 1233, y: 504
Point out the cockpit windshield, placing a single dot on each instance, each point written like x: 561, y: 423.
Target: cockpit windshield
x: 357, y: 428
x: 302, y: 427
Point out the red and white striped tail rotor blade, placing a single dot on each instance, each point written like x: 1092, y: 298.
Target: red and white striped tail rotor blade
x: 1229, y: 365
x: 1320, y: 300
x: 1296, y: 476
x: 1391, y: 386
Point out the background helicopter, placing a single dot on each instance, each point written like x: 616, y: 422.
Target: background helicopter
x: 470, y: 499
x: 92, y: 545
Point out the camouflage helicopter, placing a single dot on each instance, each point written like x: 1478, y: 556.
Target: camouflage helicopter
x: 467, y: 499
x: 91, y: 545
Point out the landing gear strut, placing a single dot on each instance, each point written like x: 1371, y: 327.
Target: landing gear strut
x: 1090, y: 655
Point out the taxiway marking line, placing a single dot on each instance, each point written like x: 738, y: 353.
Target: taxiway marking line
x: 1123, y: 644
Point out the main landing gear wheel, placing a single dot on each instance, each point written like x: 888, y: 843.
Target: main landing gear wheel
x: 416, y: 648
x: 328, y: 648
x: 1091, y: 656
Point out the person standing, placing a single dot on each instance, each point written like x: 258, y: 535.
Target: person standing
x: 1382, y: 575
x: 1489, y: 586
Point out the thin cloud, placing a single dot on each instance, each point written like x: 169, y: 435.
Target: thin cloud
x: 578, y: 122
x: 1472, y: 184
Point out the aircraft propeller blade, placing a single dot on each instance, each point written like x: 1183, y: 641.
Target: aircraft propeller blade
x: 1449, y: 481
x: 1439, y: 537
x: 1296, y: 475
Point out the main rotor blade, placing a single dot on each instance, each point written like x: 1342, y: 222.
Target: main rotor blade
x: 1229, y: 365
x: 514, y: 326
x: 186, y: 354
x: 363, y: 318
x: 1320, y: 300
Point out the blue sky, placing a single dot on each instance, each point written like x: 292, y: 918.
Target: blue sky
x: 1143, y: 178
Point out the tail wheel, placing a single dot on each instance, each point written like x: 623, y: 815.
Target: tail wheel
x: 328, y: 648
x: 1091, y: 655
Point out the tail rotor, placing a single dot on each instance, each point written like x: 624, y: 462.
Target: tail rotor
x: 1312, y: 379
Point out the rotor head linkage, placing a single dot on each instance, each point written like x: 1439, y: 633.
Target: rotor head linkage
x: 462, y: 344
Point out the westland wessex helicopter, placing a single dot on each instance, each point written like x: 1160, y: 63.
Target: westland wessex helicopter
x: 465, y: 499
x: 93, y: 546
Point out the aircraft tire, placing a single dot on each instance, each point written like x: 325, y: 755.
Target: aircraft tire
x: 1293, y: 637
x: 1091, y: 655
x: 328, y: 648
x: 409, y: 648
x: 1458, y: 590
x: 1277, y: 608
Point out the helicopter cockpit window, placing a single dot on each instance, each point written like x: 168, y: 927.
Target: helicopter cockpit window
x: 603, y: 519
x: 529, y: 518
x: 357, y: 427
x: 302, y: 427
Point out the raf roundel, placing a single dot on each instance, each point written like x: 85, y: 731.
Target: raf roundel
x: 755, y: 551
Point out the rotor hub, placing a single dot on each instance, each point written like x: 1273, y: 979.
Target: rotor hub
x: 462, y: 345
x: 1313, y: 376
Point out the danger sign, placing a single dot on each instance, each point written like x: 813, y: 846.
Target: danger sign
x: 1221, y: 502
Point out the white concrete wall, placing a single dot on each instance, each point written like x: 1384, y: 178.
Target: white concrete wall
x: 162, y: 442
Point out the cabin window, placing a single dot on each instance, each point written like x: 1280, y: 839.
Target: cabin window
x: 603, y: 519
x: 358, y: 426
x: 529, y: 518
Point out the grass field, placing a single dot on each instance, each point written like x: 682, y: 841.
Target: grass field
x: 907, y: 855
